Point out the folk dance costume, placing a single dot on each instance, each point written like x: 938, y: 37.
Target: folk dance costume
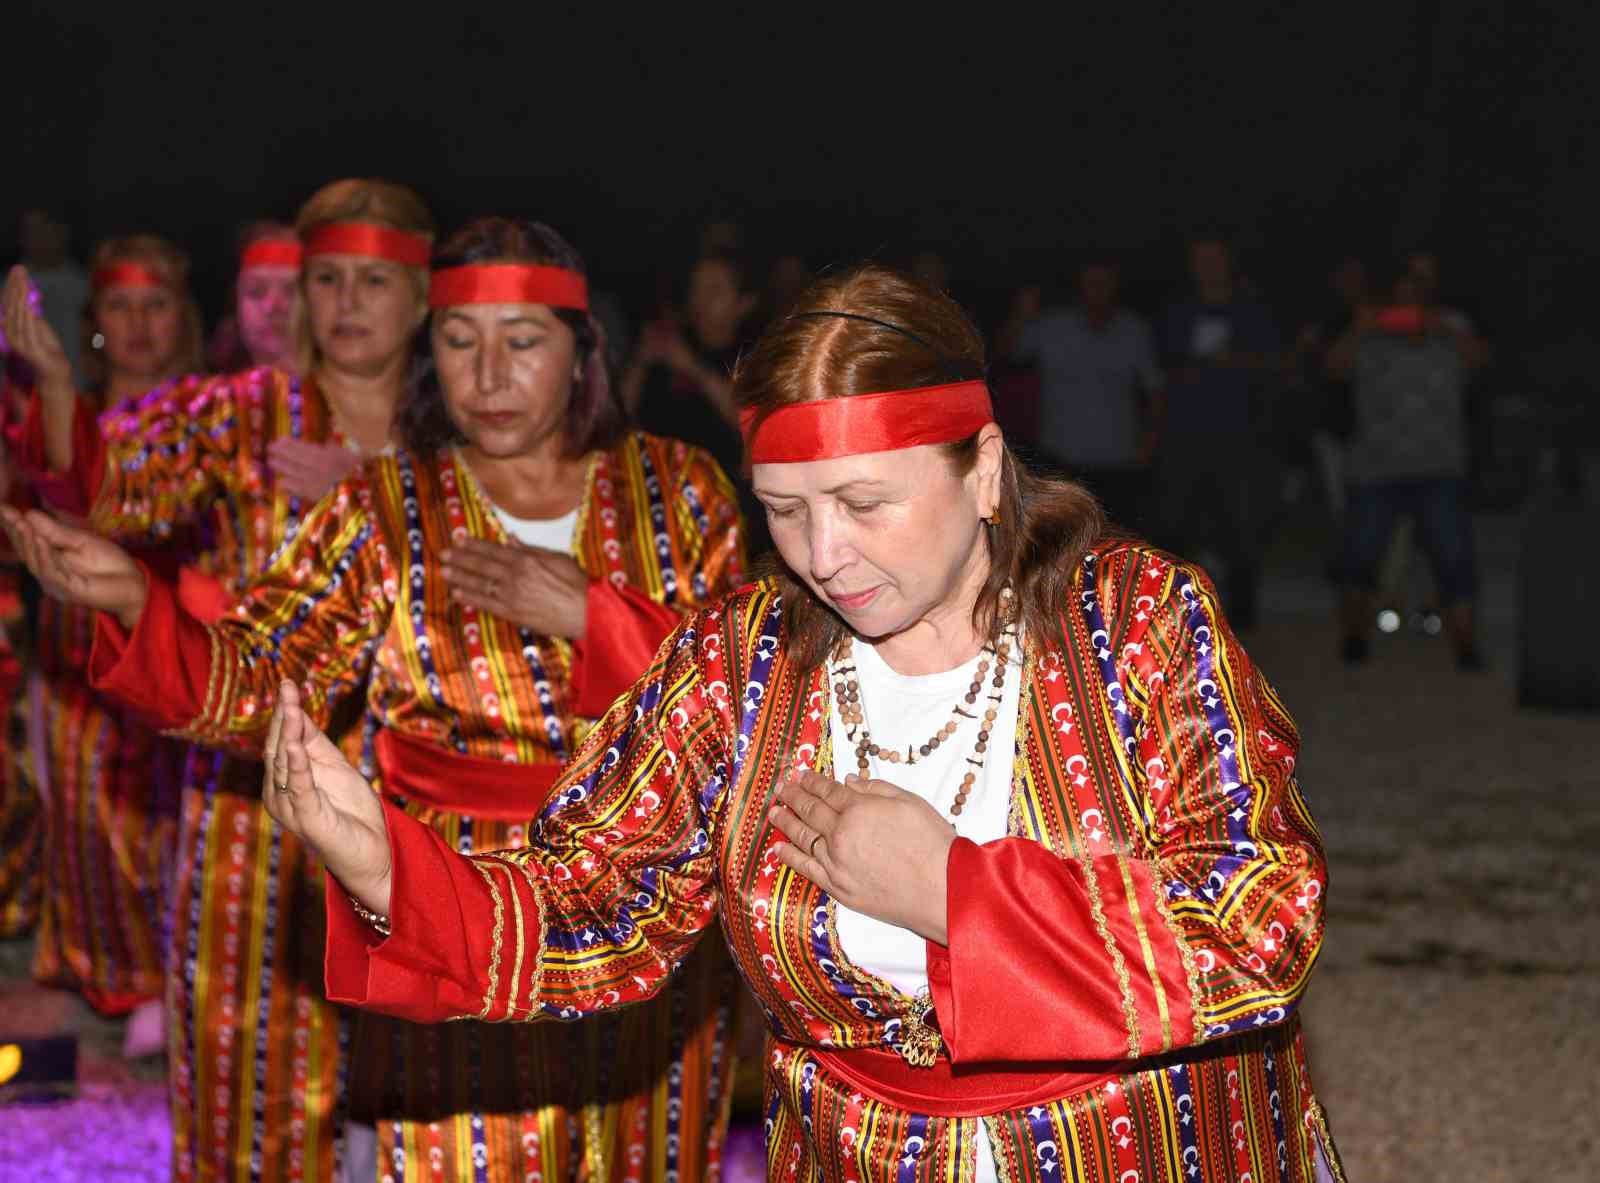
x: 477, y: 717
x: 257, y: 1055
x: 108, y: 804
x: 1129, y: 931
x: 20, y: 833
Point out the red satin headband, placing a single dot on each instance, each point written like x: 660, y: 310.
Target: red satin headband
x: 126, y: 275
x: 886, y: 422
x: 375, y: 242
x: 271, y: 252
x: 508, y: 283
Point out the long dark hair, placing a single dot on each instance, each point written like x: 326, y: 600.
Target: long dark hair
x: 1045, y: 525
x: 594, y: 417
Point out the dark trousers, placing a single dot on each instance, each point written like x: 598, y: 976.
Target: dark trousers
x: 1444, y: 532
x: 1209, y: 500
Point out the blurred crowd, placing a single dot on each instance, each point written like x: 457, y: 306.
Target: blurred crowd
x: 1197, y: 419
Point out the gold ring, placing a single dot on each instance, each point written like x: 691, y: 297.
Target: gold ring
x: 813, y: 847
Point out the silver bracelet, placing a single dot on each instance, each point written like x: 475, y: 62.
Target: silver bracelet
x: 378, y: 923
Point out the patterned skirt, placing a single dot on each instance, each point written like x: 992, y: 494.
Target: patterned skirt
x: 639, y: 1095
x: 256, y: 1052
x: 108, y: 804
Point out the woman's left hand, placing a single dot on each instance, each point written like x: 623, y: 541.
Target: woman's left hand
x: 875, y: 848
x: 542, y: 590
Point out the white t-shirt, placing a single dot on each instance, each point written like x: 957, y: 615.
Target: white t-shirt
x: 546, y: 533
x: 902, y: 710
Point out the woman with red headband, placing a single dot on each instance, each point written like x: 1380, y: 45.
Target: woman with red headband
x: 257, y: 331
x: 256, y: 1053
x: 494, y: 587
x: 109, y: 805
x: 1000, y: 819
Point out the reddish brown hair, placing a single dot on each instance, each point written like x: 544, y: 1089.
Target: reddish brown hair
x: 1044, y: 525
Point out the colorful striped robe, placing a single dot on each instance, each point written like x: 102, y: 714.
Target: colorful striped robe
x: 256, y: 1053
x: 358, y: 597
x: 1141, y: 939
x: 20, y: 832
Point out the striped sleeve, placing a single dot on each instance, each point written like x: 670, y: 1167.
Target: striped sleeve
x: 1209, y: 926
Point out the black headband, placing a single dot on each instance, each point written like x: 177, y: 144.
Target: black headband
x: 954, y: 370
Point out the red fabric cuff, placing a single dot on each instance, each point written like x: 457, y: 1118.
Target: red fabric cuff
x: 441, y: 920
x: 162, y: 669
x: 73, y: 491
x: 623, y: 628
x: 1026, y: 976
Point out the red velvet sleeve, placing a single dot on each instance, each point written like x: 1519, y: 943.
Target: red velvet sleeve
x: 1025, y: 976
x: 72, y: 491
x: 445, y: 917
x: 163, y: 669
x: 623, y: 629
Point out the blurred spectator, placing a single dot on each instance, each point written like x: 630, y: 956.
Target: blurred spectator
x: 255, y: 329
x: 1408, y: 458
x: 723, y: 236
x: 789, y: 276
x: 929, y: 267
x: 1423, y: 269
x: 1212, y: 474
x: 1329, y: 414
x: 1098, y: 384
x: 678, y: 383
x: 62, y: 283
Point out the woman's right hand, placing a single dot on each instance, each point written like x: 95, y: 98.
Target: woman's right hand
x: 311, y: 790
x: 33, y: 339
x: 77, y: 566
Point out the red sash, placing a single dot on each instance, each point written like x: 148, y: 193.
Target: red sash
x: 422, y: 771
x: 948, y: 1091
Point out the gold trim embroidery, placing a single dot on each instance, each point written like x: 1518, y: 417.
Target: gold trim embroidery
x: 494, y: 948
x: 1021, y: 775
x: 536, y: 987
x: 193, y: 728
x: 1191, y: 969
x: 1330, y: 1153
x: 1137, y: 914
x: 920, y: 1042
x: 516, y: 962
x: 1130, y: 1012
x: 585, y: 511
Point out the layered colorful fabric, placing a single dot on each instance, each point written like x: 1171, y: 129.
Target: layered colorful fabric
x: 20, y: 830
x: 109, y: 812
x: 256, y: 1052
x: 1117, y: 999
x: 105, y: 813
x: 477, y: 716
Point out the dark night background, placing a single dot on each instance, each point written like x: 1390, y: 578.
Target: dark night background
x: 1002, y: 138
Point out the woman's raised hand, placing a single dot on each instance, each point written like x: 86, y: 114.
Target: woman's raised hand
x: 32, y: 337
x: 311, y: 790
x: 76, y: 565
x: 875, y: 848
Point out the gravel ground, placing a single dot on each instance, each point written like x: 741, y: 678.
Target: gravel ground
x: 1455, y: 1000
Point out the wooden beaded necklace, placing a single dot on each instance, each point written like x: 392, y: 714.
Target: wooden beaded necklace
x: 847, y: 694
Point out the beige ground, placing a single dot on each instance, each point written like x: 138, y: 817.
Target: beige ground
x: 1455, y: 1019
